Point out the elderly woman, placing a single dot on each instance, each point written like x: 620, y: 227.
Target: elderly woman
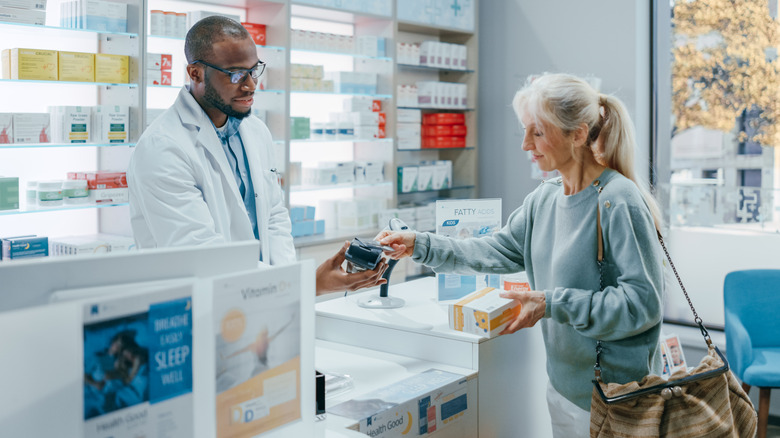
x: 554, y: 236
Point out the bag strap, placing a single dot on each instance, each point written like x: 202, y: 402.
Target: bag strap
x: 600, y: 262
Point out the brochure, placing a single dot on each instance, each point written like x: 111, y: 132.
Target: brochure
x: 258, y: 346
x: 462, y: 219
x: 138, y: 364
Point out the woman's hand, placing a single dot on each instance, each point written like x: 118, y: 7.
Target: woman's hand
x: 532, y: 307
x: 331, y: 277
x: 402, y: 243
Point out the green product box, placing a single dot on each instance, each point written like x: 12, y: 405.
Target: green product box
x: 9, y: 193
x: 299, y: 128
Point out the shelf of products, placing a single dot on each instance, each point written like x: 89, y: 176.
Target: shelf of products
x: 435, y: 69
x: 101, y: 84
x: 64, y: 207
x: 36, y: 27
x: 64, y: 145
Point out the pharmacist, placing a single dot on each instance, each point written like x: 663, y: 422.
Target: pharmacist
x: 202, y: 173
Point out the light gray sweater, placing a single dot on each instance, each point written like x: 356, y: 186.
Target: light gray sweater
x: 553, y: 238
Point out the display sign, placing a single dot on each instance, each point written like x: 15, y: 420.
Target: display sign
x: 138, y: 365
x: 455, y: 14
x: 462, y: 219
x: 257, y: 325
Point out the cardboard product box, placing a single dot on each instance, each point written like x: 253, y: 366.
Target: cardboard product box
x: 6, y: 128
x: 442, y: 175
x: 103, y: 179
x: 38, y: 5
x: 374, y: 171
x: 436, y: 130
x: 425, y: 177
x: 111, y: 123
x: 257, y: 31
x: 159, y: 77
x: 22, y: 16
x: 409, y: 116
x: 72, y: 124
x: 299, y: 128
x: 482, y: 313
x: 319, y: 226
x: 32, y: 64
x: 109, y: 196
x: 113, y: 69
x: 79, y: 245
x: 417, y: 406
x: 25, y: 247
x: 303, y: 228
x: 9, y: 193
x: 32, y: 128
x: 407, y: 178
x: 444, y: 119
x: 76, y: 66
x: 159, y: 61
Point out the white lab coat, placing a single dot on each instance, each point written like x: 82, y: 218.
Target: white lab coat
x: 183, y: 192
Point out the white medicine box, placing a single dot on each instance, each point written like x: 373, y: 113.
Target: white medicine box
x: 482, y: 313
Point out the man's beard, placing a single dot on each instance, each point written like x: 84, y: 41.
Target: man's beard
x: 214, y: 99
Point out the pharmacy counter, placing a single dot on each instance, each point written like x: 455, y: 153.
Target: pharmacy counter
x: 512, y: 378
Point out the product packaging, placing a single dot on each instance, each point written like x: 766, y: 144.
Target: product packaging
x: 76, y: 66
x: 22, y: 16
x: 407, y: 178
x: 6, y: 128
x: 159, y: 61
x: 483, y: 313
x: 159, y: 77
x: 417, y: 406
x: 257, y: 31
x: 30, y: 64
x: 9, y: 193
x: 31, y: 128
x: 71, y: 124
x: 111, y: 123
x: 36, y: 5
x: 25, y: 247
x: 113, y: 69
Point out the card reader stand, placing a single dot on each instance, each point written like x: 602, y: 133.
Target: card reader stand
x: 383, y: 301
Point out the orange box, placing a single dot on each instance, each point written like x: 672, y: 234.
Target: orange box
x: 381, y: 131
x: 382, y: 119
x: 376, y: 106
x: 443, y: 142
x: 437, y: 130
x: 257, y: 31
x: 459, y: 130
x: 444, y: 119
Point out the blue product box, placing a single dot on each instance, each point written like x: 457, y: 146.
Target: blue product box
x: 309, y: 213
x: 297, y: 213
x: 319, y: 226
x: 303, y: 228
x: 23, y: 247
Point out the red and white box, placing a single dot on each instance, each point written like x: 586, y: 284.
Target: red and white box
x: 159, y: 61
x: 444, y: 119
x: 158, y: 77
x: 257, y: 31
x: 105, y: 179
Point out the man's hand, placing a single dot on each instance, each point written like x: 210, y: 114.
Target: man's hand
x: 331, y: 277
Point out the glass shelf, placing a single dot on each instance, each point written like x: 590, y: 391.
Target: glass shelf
x: 311, y: 188
x: 69, y: 29
x: 353, y: 55
x: 328, y: 93
x: 429, y: 68
x: 269, y: 91
x: 102, y: 84
x: 64, y: 207
x: 435, y: 108
x: 468, y: 148
x: 438, y: 190
x: 343, y: 140
x: 62, y: 145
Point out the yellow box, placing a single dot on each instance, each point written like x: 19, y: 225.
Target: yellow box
x: 33, y: 64
x: 483, y: 313
x: 77, y: 66
x: 6, y: 61
x: 113, y: 69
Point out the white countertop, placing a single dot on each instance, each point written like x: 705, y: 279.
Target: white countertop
x: 421, y: 314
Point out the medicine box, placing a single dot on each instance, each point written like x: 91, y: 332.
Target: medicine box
x: 76, y: 66
x: 425, y: 177
x: 22, y: 16
x: 483, y: 313
x: 71, y: 124
x: 257, y: 31
x: 159, y: 61
x: 78, y: 245
x: 409, y: 116
x: 38, y: 5
x: 6, y: 128
x: 113, y: 69
x: 444, y: 119
x: 31, y: 64
x: 159, y: 77
x: 25, y: 247
x: 9, y: 193
x: 407, y: 178
x: 105, y: 180
x: 109, y: 196
x: 31, y: 128
x: 299, y: 128
x: 111, y: 123
x: 416, y: 406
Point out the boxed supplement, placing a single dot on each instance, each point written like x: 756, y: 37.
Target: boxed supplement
x: 444, y: 119
x: 111, y: 123
x: 407, y: 178
x: 76, y: 66
x: 9, y: 193
x: 6, y: 128
x: 158, y: 77
x: 159, y: 61
x: 109, y: 196
x: 31, y: 128
x: 24, y: 247
x: 104, y: 179
x: 23, y: 16
x: 417, y: 406
x: 113, y: 69
x: 71, y: 124
x: 38, y: 5
x: 425, y: 177
x: 257, y: 31
x: 483, y: 313
x: 31, y: 64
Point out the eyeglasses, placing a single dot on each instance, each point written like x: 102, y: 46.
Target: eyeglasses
x: 238, y: 76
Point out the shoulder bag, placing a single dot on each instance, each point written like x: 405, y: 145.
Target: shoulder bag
x: 708, y: 401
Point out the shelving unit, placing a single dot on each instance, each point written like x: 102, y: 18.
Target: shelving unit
x: 389, y: 19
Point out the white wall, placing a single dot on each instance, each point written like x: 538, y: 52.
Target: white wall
x: 609, y: 39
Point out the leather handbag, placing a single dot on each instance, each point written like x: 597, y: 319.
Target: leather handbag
x: 708, y: 401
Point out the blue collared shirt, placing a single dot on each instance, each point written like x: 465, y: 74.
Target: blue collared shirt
x: 234, y: 150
